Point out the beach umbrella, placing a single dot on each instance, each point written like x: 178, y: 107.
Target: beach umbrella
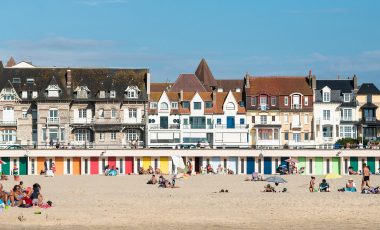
x: 276, y: 179
x: 2, y: 162
x: 333, y: 176
x: 291, y: 160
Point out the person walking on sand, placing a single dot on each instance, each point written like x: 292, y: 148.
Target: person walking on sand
x: 312, y: 184
x: 366, y: 174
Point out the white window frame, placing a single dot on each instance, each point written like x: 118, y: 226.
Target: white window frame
x: 306, y: 99
x: 326, y: 96
x: 82, y: 113
x: 346, y: 97
x: 101, y: 136
x: 153, y: 105
x: 174, y: 105
x: 113, y: 113
x: 326, y: 115
x: 112, y: 94
x: 132, y: 112
x: 113, y: 136
x: 286, y: 101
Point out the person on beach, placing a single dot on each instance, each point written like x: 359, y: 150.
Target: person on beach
x: 152, y: 180
x: 268, y: 188
x: 312, y: 184
x: 351, y: 171
x: 366, y: 174
x: 324, y: 186
x: 3, y: 176
x: 16, y: 196
x: 350, y: 186
x: 36, y: 195
x: 3, y: 195
x: 16, y: 175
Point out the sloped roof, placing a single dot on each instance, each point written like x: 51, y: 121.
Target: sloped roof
x: 90, y: 77
x: 204, y: 74
x: 344, y: 85
x: 368, y: 88
x: 187, y: 83
x: 230, y: 84
x: 279, y: 85
x: 159, y: 87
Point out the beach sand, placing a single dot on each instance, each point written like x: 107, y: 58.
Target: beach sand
x: 99, y: 202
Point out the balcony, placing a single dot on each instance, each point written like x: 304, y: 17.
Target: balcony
x: 346, y: 119
x: 237, y: 126
x: 296, y: 106
x: 198, y: 126
x: 107, y: 120
x: 8, y: 123
x: 52, y: 120
x: 171, y: 126
x: 294, y: 125
x: 370, y: 119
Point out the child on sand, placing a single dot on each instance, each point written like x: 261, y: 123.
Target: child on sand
x: 312, y: 184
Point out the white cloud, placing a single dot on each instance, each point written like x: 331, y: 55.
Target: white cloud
x: 101, y: 2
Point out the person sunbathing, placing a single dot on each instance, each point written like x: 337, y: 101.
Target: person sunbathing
x: 16, y: 196
x: 268, y: 188
x: 150, y: 170
x: 350, y: 186
x: 3, y: 176
x: 152, y: 180
x: 157, y: 171
x: 324, y: 186
x: 3, y: 195
x: 351, y: 171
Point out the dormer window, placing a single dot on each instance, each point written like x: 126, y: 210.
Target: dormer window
x: 34, y: 94
x: 174, y: 105
x: 30, y: 80
x: 238, y: 90
x: 112, y: 94
x: 16, y: 80
x: 186, y: 104
x: 8, y: 94
x: 164, y: 106
x: 208, y: 105
x: 24, y: 94
x: 273, y: 100
x: 53, y: 91
x: 220, y: 90
x: 153, y: 105
x: 132, y: 92
x: 347, y: 97
x: 326, y: 97
x: 102, y: 94
x: 263, y: 100
x: 82, y: 92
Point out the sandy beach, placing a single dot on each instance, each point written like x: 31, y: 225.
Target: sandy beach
x: 98, y: 202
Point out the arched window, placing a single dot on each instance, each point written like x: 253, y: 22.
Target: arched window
x: 164, y: 106
x: 230, y: 106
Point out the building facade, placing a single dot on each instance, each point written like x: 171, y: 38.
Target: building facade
x: 78, y: 108
x: 335, y: 111
x: 280, y: 111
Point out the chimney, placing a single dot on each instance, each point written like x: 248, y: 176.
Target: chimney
x: 148, y: 84
x: 355, y: 79
x: 213, y: 98
x: 181, y: 95
x: 246, y: 78
x: 68, y: 78
x: 313, y: 82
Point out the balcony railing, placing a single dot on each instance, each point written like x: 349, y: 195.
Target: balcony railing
x: 236, y: 126
x: 8, y: 123
x: 107, y: 120
x: 370, y: 119
x: 296, y: 106
x: 294, y: 125
x: 52, y: 120
x: 81, y: 120
x: 170, y: 126
x: 197, y: 126
x: 346, y: 119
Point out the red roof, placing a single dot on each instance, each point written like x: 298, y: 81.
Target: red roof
x: 279, y: 85
x: 187, y: 83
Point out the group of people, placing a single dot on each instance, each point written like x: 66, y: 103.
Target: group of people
x: 23, y: 197
x: 150, y: 170
x: 220, y: 170
x: 111, y: 170
x: 323, y: 186
x: 162, y: 182
x: 269, y: 188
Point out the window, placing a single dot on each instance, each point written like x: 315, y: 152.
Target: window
x: 241, y: 103
x: 347, y: 131
x: 113, y: 136
x: 208, y: 121
x: 132, y: 112
x: 24, y: 113
x: 326, y: 96
x: 208, y: 104
x: 101, y: 136
x: 164, y: 106
x: 198, y: 122
x: 185, y: 121
x: 153, y: 105
x: 62, y: 134
x: 273, y: 118
x: 112, y: 94
x: 263, y: 119
x: 132, y: 134
x: 8, y: 95
x: 44, y: 136
x: 113, y: 113
x: 296, y: 137
x: 306, y: 136
x: 101, y: 113
x: 306, y: 99
x: 306, y: 119
x: 197, y: 106
x: 286, y: 136
x: 186, y: 104
x: 242, y: 121
x: 286, y: 101
x: 263, y: 100
x: 347, y: 97
x: 253, y: 119
x: 327, y: 131
x: 132, y: 91
x: 286, y: 118
x: 254, y: 101
x: 174, y: 105
x: 34, y: 94
x: 369, y: 98
x: 16, y: 80
x: 8, y: 136
x: 326, y: 115
x: 24, y: 94
x: 102, y: 94
x: 347, y: 114
x: 82, y: 135
x: 82, y: 113
x: 273, y: 100
x: 230, y: 106
x: 30, y: 80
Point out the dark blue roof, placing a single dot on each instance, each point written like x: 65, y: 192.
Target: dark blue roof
x: 345, y: 86
x: 368, y: 88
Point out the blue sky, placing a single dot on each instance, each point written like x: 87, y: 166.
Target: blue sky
x: 330, y: 37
